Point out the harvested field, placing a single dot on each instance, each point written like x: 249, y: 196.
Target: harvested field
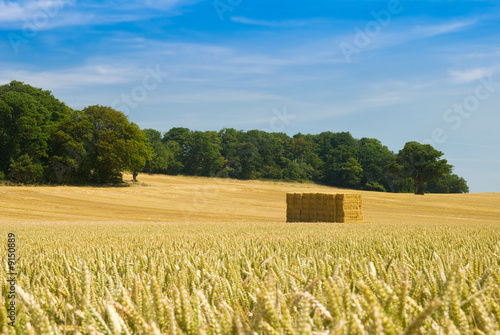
x: 191, y: 199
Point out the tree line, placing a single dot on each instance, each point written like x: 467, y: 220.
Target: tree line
x: 42, y: 140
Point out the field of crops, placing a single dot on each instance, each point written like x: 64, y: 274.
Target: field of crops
x: 255, y: 278
x: 184, y: 255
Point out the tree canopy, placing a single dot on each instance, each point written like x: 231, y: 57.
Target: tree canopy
x: 422, y: 163
x: 44, y: 141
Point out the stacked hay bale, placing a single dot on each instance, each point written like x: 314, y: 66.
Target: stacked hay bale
x: 349, y: 208
x: 304, y: 209
x: 293, y: 207
x: 331, y: 208
x: 319, y: 207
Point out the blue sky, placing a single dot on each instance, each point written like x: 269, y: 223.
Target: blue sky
x: 398, y: 71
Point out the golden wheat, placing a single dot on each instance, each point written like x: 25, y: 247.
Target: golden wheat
x: 217, y: 278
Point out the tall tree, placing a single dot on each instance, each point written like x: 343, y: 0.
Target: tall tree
x: 161, y: 157
x: 72, y: 144
x: 422, y: 163
x: 120, y: 145
x: 204, y: 154
x: 374, y: 159
x: 97, y: 145
x: 26, y: 113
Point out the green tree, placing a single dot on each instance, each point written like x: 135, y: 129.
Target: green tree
x: 449, y: 183
x: 178, y: 141
x: 56, y: 108
x: 119, y: 145
x: 26, y: 113
x: 96, y: 145
x: 229, y: 150
x: 22, y: 128
x: 203, y: 157
x: 422, y: 163
x: 72, y: 144
x: 25, y: 171
x: 161, y: 157
x: 375, y: 159
x: 251, y: 161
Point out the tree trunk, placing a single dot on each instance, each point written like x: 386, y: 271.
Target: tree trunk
x: 134, y: 176
x: 419, y: 187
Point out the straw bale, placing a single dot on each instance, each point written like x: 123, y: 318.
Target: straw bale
x: 319, y: 207
x: 348, y: 208
x: 324, y: 200
x: 312, y: 216
x: 319, y: 201
x: 313, y: 201
x: 297, y: 200
x: 304, y: 213
x: 296, y: 214
x: 293, y: 215
x: 319, y: 215
x: 305, y: 200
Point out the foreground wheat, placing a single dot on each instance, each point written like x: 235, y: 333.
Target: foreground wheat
x: 256, y: 279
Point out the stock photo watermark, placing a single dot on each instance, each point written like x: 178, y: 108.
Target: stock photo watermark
x: 38, y: 21
x: 279, y: 121
x: 224, y: 6
x: 150, y: 82
x: 11, y: 279
x: 364, y: 36
x: 456, y: 114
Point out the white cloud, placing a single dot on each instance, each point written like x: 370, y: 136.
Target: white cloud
x: 49, y: 14
x: 466, y: 76
x: 440, y: 29
x: 84, y: 76
x: 271, y: 24
x: 30, y: 10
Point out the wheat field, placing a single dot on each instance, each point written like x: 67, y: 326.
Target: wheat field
x: 184, y: 255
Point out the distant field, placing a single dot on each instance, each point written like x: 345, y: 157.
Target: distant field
x: 190, y: 199
x: 185, y: 255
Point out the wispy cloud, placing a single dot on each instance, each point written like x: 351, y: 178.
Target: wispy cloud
x: 466, y: 76
x: 50, y: 14
x: 11, y: 11
x: 95, y: 74
x: 272, y: 24
x: 444, y: 28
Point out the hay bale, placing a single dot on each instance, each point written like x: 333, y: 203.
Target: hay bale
x: 304, y: 215
x: 305, y: 200
x: 293, y: 215
x: 297, y: 200
x: 324, y: 201
x: 289, y: 215
x: 319, y: 201
x: 330, y: 208
x: 290, y: 200
x: 312, y: 215
x: 323, y: 216
x: 319, y: 207
x: 349, y: 208
x: 296, y: 215
x: 312, y: 201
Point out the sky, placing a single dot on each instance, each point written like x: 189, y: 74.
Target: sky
x: 398, y: 71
